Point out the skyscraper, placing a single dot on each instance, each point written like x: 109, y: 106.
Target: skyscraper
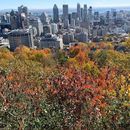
x: 85, y: 13
x: 23, y: 13
x: 23, y: 9
x: 90, y: 14
x: 55, y: 14
x: 65, y: 12
x: 96, y: 16
x: 44, y: 18
x: 54, y: 28
x: 36, y: 22
x: 82, y: 13
x: 14, y: 20
x: 108, y: 17
x: 78, y: 11
x: 70, y: 18
x: 47, y: 29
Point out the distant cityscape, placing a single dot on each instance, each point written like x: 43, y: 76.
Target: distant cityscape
x: 60, y: 28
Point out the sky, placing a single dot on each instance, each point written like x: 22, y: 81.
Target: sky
x: 48, y: 4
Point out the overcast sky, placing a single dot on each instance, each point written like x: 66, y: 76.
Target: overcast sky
x: 47, y: 4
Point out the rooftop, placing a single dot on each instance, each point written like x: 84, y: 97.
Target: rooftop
x: 19, y: 32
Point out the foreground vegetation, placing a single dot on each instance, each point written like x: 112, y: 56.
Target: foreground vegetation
x: 84, y: 88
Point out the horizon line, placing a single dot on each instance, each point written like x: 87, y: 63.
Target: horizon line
x: 69, y: 7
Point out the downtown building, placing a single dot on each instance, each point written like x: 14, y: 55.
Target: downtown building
x: 20, y: 37
x: 51, y: 41
x: 65, y: 16
x: 55, y: 14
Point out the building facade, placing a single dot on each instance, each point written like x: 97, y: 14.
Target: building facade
x: 51, y: 41
x: 55, y: 14
x: 20, y: 37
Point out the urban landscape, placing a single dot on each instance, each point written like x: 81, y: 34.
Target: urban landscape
x: 61, y: 30
x: 65, y: 68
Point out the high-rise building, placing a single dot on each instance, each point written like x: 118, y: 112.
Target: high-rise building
x: 35, y: 22
x: 85, y: 13
x: 44, y: 18
x: 47, y: 29
x: 55, y: 14
x: 114, y: 14
x: 70, y: 18
x: 74, y: 15
x: 90, y: 14
x: 108, y: 17
x: 23, y: 9
x: 66, y: 23
x: 73, y: 22
x: 3, y: 19
x: 96, y: 17
x: 20, y: 37
x: 65, y: 12
x: 15, y: 20
x: 23, y: 15
x: 54, y: 28
x: 82, y: 14
x: 24, y: 20
x: 79, y: 11
x: 8, y: 17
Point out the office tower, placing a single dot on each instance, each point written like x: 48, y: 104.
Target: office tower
x: 23, y: 9
x: 74, y: 15
x: 35, y: 22
x: 73, y: 22
x: 3, y: 18
x: 20, y: 37
x: 114, y: 14
x: 68, y: 38
x: 85, y: 13
x: 44, y: 18
x: 77, y: 22
x: 108, y: 17
x: 60, y: 26
x: 66, y: 23
x: 84, y: 23
x: 54, y: 28
x: 102, y: 20
x: 51, y: 41
x: 96, y: 17
x: 70, y: 18
x: 23, y: 13
x: 82, y: 14
x: 14, y: 20
x: 46, y: 29
x: 78, y: 11
x: 65, y: 12
x: 24, y: 21
x: 55, y: 14
x: 94, y: 32
x: 90, y: 14
x: 8, y: 17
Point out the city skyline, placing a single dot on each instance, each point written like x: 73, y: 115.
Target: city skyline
x: 48, y: 4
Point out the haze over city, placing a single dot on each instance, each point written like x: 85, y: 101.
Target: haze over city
x: 48, y: 4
